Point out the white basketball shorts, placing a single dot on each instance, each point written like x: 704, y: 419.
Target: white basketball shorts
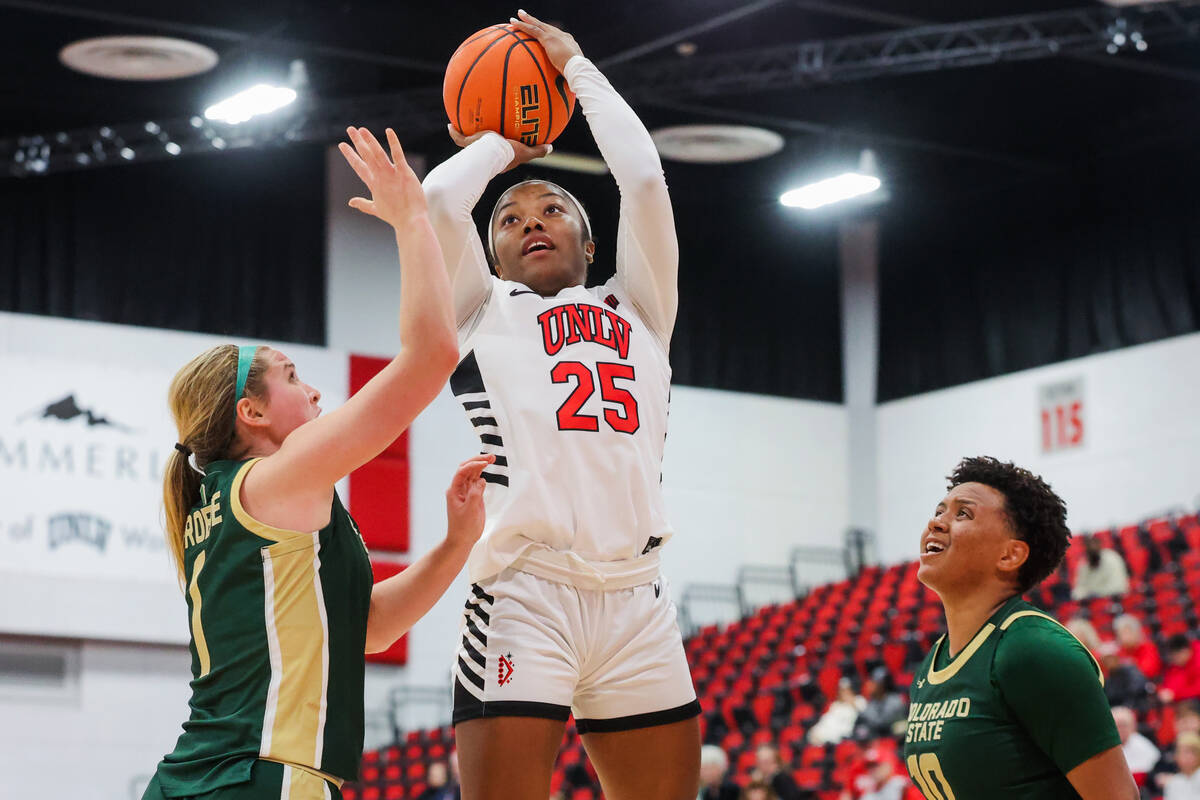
x: 533, y: 647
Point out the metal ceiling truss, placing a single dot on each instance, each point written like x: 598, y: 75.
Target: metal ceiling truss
x: 419, y: 112
x: 415, y: 113
x: 919, y: 49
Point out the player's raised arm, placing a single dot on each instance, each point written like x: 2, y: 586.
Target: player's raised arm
x: 321, y: 452
x: 647, y: 257
x: 452, y: 189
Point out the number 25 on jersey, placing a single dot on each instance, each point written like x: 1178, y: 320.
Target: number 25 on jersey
x: 623, y: 419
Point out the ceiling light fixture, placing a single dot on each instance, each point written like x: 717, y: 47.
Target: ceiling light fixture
x: 831, y: 190
x: 848, y: 185
x: 259, y: 99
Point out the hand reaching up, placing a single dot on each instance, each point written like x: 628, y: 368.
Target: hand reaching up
x: 396, y: 194
x: 464, y: 501
x: 560, y: 46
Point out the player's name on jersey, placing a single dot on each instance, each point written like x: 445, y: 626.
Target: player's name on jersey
x: 926, y: 720
x: 583, y: 322
x: 200, y: 522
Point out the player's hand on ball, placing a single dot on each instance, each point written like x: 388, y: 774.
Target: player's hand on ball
x: 396, y: 194
x: 560, y: 45
x: 523, y: 153
x: 464, y: 501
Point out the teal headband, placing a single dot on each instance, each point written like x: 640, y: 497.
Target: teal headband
x: 245, y: 359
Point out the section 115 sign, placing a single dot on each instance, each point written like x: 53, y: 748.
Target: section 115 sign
x: 1061, y: 413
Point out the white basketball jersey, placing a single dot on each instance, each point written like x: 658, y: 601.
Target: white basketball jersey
x: 570, y: 393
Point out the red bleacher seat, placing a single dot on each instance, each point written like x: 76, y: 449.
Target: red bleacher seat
x: 763, y: 706
x: 845, y: 751
x: 809, y: 779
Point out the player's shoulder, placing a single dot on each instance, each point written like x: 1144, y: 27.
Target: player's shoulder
x: 1025, y: 622
x: 1030, y: 637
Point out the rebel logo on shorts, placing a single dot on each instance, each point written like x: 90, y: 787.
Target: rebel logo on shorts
x: 505, y: 669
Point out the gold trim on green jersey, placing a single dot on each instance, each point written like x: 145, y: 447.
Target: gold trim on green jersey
x: 250, y: 523
x: 334, y: 779
x: 937, y: 676
x: 1031, y: 613
x: 298, y: 644
x: 197, y: 623
x: 297, y: 637
x: 299, y: 783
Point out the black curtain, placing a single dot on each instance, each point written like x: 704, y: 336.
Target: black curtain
x: 231, y: 244
x: 1101, y: 256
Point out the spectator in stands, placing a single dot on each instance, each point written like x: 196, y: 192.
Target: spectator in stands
x: 758, y: 790
x: 1135, y: 647
x: 837, y: 722
x: 1140, y: 752
x: 1124, y: 683
x: 1181, y: 678
x: 769, y: 770
x: 881, y: 781
x: 713, y: 784
x: 1187, y: 717
x: 1186, y: 784
x: 885, y: 713
x: 1085, y: 631
x: 1102, y: 573
x: 441, y: 787
x: 1186, y: 721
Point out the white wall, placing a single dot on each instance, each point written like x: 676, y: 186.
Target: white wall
x: 126, y: 712
x: 1141, y: 450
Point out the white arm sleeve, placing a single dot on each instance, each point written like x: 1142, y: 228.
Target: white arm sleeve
x: 452, y: 189
x: 647, y: 256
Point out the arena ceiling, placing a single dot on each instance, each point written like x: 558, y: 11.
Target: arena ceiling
x: 949, y: 128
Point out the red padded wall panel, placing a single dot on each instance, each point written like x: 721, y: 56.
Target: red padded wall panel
x: 397, y: 654
x: 379, y: 489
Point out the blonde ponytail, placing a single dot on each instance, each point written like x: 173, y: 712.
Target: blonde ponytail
x: 202, y: 404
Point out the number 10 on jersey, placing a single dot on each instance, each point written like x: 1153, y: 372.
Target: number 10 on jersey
x: 622, y: 420
x: 926, y: 770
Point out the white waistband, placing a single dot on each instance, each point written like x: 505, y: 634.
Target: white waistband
x: 572, y: 568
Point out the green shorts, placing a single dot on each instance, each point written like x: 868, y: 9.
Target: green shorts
x: 269, y: 780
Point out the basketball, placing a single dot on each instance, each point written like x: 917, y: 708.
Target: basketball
x: 501, y: 80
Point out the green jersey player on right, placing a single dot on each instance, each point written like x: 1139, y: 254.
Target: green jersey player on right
x: 1008, y: 704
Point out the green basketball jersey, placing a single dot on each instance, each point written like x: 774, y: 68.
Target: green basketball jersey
x: 1022, y: 705
x: 279, y: 625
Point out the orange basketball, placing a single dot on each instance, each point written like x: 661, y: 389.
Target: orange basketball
x: 501, y: 80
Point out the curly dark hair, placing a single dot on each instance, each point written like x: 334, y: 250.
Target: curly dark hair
x: 1037, y: 515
